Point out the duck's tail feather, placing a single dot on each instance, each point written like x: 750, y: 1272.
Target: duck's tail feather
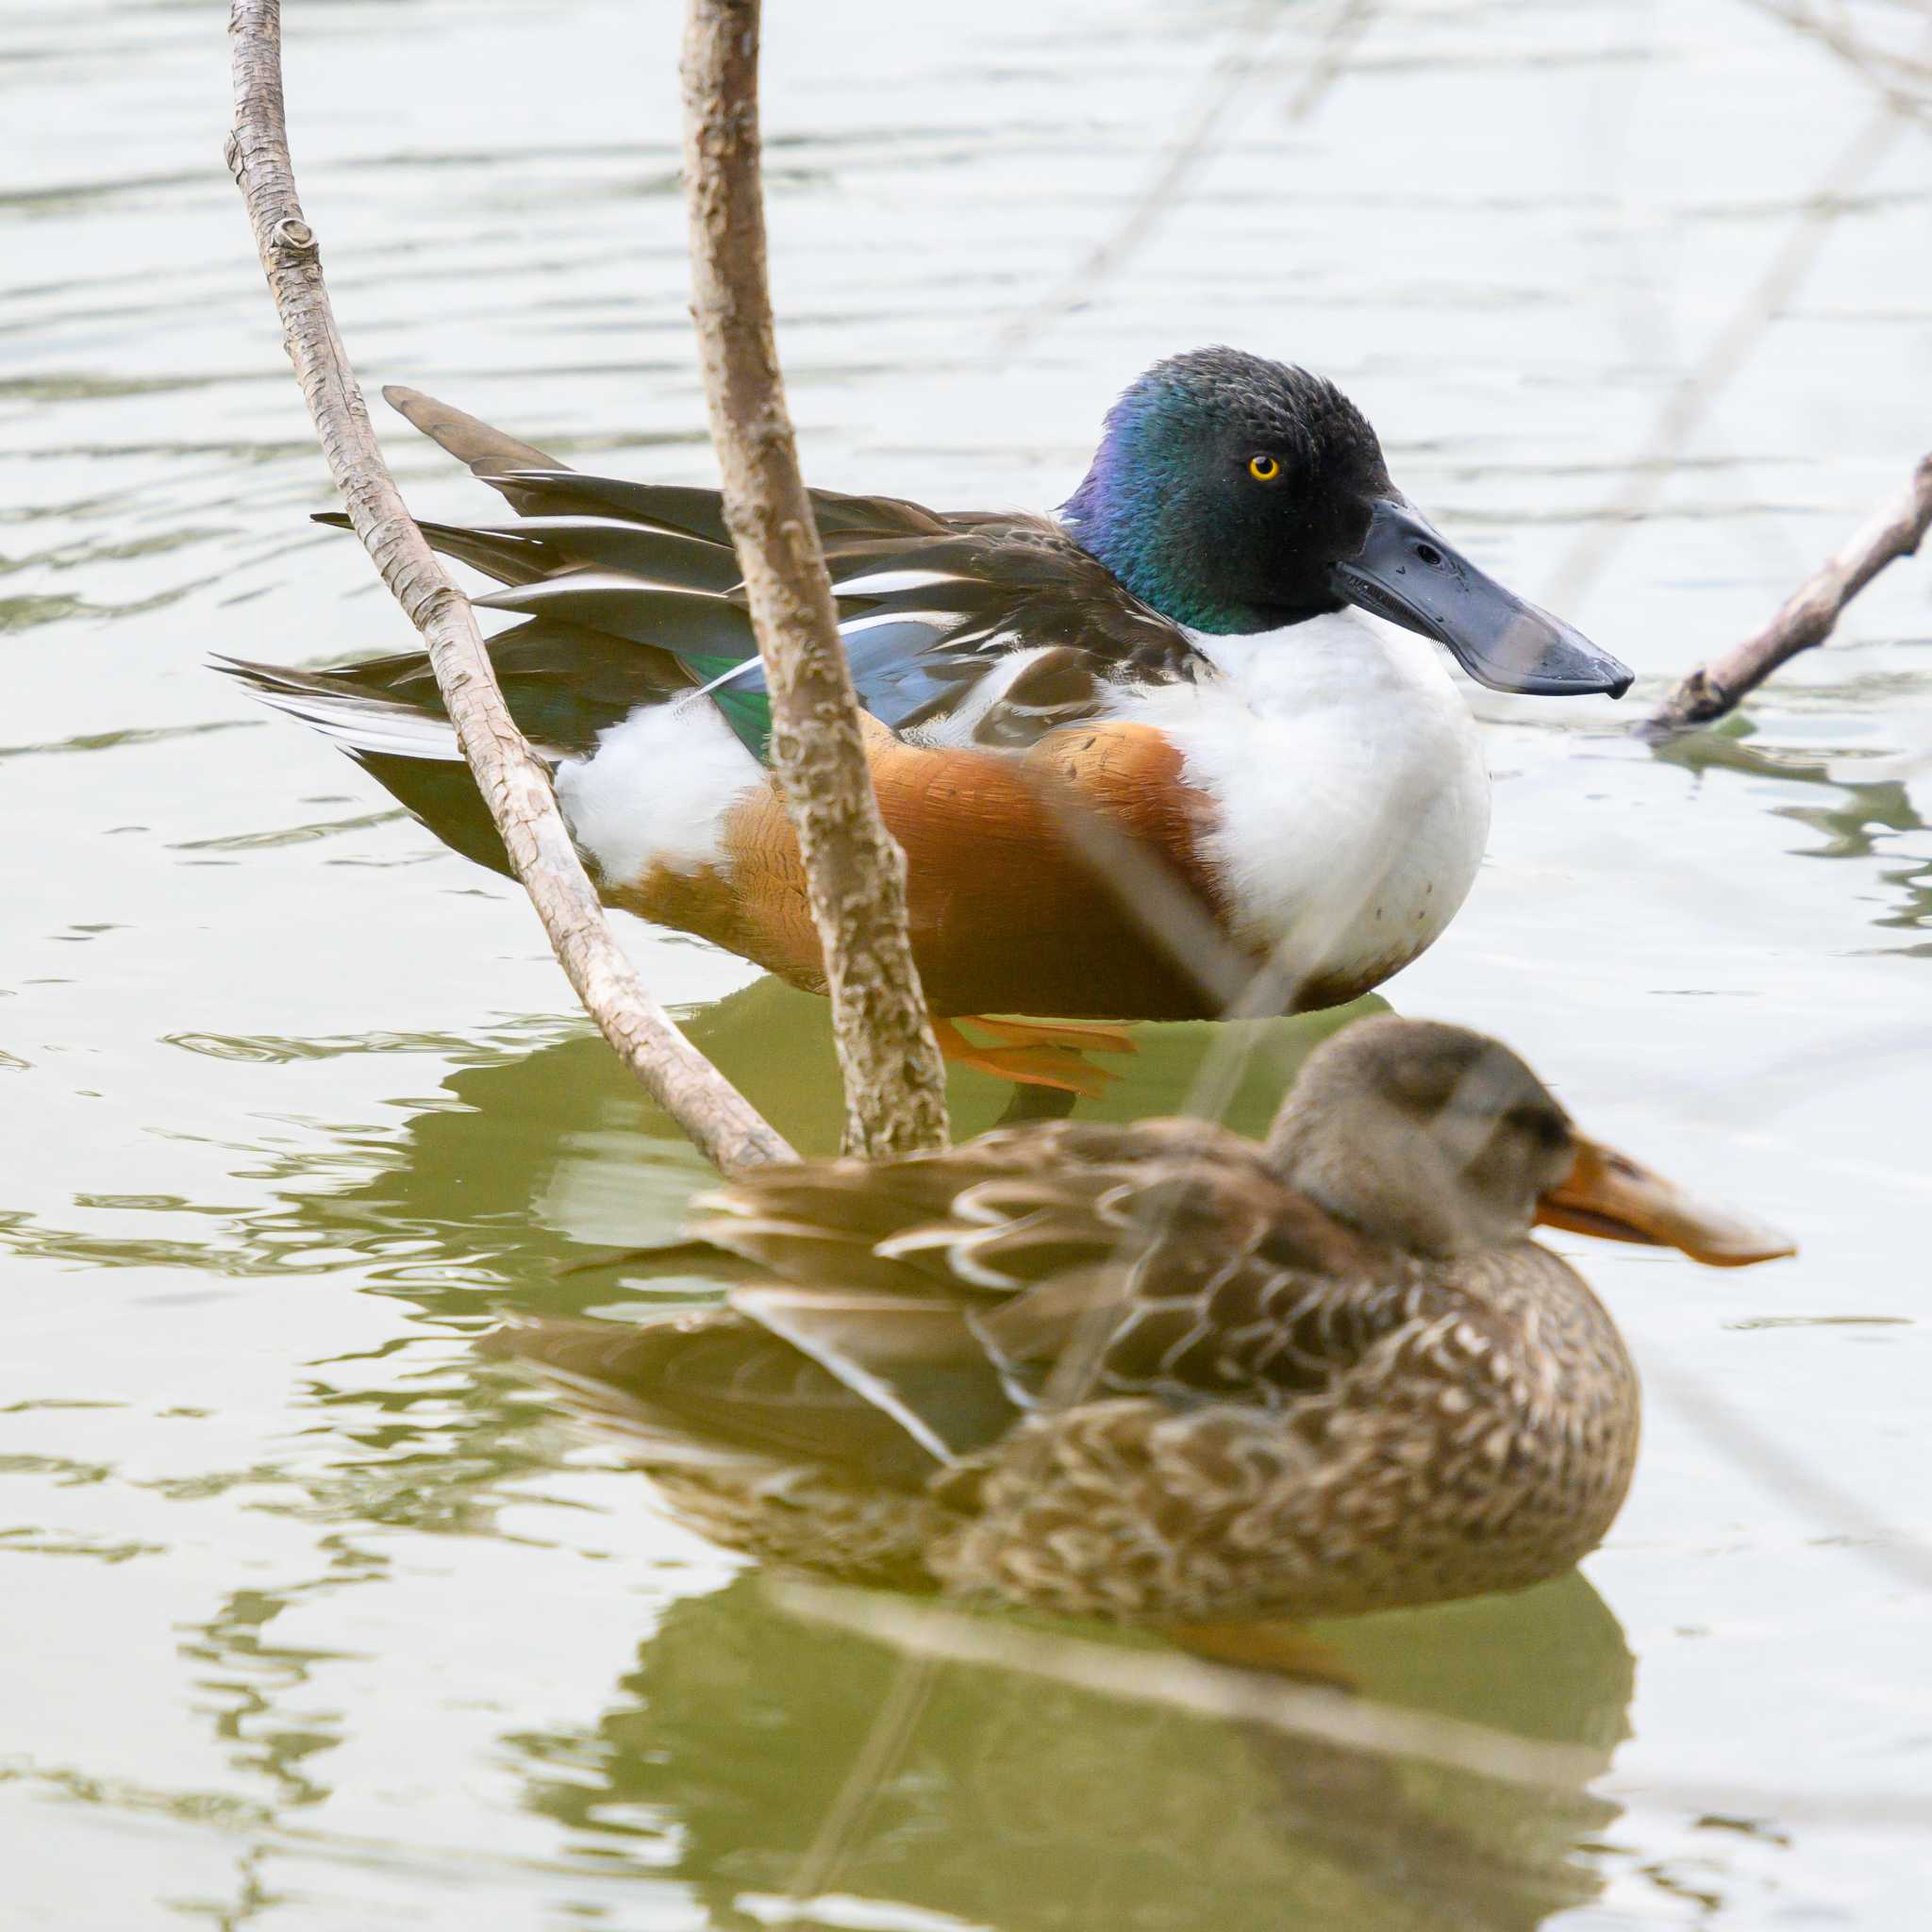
x: 411, y: 752
x: 361, y: 719
x: 537, y: 547
x: 565, y: 687
x: 467, y: 438
x: 537, y: 484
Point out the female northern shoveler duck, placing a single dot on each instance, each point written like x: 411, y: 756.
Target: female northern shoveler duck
x: 1168, y: 658
x: 1159, y: 1374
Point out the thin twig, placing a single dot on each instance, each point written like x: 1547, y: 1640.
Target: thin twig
x: 1806, y: 617
x: 1899, y: 77
x: 886, y: 1740
x: 1729, y: 351
x: 854, y: 872
x: 514, y: 784
x: 1213, y: 115
x: 1830, y: 1505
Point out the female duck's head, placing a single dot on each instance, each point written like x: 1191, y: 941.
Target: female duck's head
x: 1441, y: 1141
x: 1237, y: 494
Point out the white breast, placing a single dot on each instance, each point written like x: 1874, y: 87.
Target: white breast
x: 1352, y: 798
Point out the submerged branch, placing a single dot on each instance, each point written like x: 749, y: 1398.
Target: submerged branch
x: 1808, y: 616
x: 856, y: 874
x: 513, y: 781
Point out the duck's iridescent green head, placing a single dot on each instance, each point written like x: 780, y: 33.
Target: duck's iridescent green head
x: 1236, y: 494
x: 1225, y: 489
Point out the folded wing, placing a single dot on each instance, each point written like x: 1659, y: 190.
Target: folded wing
x: 919, y: 1310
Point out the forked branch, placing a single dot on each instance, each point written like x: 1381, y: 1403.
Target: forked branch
x: 513, y: 781
x: 894, y: 1081
x: 1808, y: 616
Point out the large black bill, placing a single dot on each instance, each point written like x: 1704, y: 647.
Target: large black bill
x: 1408, y: 574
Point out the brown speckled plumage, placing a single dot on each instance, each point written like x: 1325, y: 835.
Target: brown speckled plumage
x: 1157, y: 1373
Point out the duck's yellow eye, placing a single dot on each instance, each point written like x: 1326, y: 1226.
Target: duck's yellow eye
x: 1264, y: 469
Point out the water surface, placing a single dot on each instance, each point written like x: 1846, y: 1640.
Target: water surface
x: 314, y: 1620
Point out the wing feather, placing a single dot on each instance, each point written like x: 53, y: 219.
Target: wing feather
x: 978, y: 627
x: 533, y: 548
x: 924, y: 1305
x: 714, y: 1387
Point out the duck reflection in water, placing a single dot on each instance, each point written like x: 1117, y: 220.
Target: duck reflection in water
x: 1021, y: 1804
x: 1016, y: 1804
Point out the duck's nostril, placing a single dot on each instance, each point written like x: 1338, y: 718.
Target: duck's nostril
x: 1429, y: 554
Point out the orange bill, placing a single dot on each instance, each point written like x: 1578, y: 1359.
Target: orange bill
x: 1608, y: 1195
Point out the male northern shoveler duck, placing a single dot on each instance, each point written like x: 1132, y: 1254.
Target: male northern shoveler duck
x: 1168, y: 660
x: 1159, y: 1374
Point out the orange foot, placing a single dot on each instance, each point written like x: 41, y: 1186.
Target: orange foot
x: 1038, y: 1055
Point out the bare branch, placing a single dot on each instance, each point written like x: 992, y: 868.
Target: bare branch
x: 514, y: 784
x: 1899, y: 77
x: 886, y: 1740
x: 1806, y: 1485
x: 1808, y: 616
x: 1210, y: 120
x: 1727, y: 353
x: 856, y: 874
x: 1731, y: 349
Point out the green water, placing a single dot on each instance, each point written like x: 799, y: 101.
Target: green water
x: 314, y: 1620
